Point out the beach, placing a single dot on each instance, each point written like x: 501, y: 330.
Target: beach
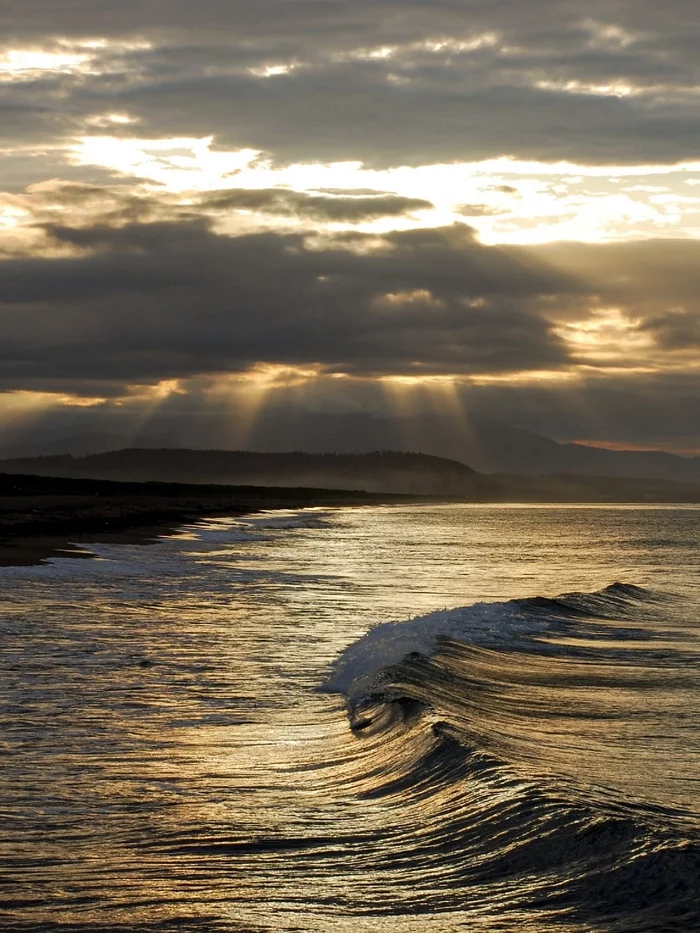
x: 43, y: 518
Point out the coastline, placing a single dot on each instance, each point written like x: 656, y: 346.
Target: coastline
x: 30, y: 550
x: 50, y: 521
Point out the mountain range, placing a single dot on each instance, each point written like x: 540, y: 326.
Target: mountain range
x: 487, y: 446
x: 379, y: 471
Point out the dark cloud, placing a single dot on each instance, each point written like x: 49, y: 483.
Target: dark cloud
x: 119, y: 204
x: 528, y: 79
x: 19, y: 170
x: 279, y: 201
x: 164, y: 300
x: 171, y: 299
x: 675, y: 330
x: 100, y: 204
x: 275, y: 24
x: 354, y: 111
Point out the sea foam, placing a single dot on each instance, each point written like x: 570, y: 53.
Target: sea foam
x: 389, y: 643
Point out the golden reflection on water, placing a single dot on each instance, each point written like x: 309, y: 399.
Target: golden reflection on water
x: 623, y: 727
x: 169, y: 756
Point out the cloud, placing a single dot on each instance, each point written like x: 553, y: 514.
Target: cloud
x: 282, y: 202
x: 138, y: 302
x: 112, y: 281
x: 92, y: 206
x: 675, y: 330
x: 478, y: 210
x: 356, y: 111
x: 408, y: 84
x: 172, y: 299
x: 329, y: 414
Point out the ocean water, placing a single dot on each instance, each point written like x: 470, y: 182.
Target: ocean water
x: 408, y: 718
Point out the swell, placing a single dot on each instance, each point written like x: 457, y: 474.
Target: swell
x: 506, y: 735
x: 475, y: 831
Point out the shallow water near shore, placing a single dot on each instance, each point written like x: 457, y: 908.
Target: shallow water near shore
x: 404, y: 718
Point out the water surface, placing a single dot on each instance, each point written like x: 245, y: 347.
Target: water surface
x: 224, y: 731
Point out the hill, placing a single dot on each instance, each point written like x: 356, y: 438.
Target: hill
x: 500, y: 448
x: 379, y: 472
x: 488, y: 446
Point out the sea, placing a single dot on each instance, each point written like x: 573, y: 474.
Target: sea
x: 434, y: 718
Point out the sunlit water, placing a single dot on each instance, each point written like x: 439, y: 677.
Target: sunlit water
x: 202, y: 735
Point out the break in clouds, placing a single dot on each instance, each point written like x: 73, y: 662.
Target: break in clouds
x: 344, y: 203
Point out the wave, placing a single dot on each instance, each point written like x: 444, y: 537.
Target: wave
x: 515, y: 739
x: 480, y: 624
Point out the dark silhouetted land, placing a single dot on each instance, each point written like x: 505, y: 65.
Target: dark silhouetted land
x: 382, y: 471
x: 42, y: 517
x: 136, y: 495
x: 379, y: 472
x: 488, y: 446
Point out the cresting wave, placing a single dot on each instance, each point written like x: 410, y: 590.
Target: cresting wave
x: 516, y: 738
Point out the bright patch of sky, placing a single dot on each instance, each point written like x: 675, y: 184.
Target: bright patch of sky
x: 505, y: 200
x: 77, y: 57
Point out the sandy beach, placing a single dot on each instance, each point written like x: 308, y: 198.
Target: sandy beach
x: 43, y: 518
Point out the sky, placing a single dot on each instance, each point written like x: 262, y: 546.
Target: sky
x: 221, y: 215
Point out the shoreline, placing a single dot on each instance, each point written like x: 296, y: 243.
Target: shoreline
x: 47, y: 524
x: 43, y: 518
x: 33, y: 550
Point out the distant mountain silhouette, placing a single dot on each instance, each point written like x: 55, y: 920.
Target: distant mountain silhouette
x: 498, y: 448
x: 488, y: 446
x: 380, y: 471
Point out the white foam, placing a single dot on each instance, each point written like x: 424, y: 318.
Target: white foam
x: 390, y: 642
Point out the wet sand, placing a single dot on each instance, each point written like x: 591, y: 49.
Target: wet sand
x: 42, y: 518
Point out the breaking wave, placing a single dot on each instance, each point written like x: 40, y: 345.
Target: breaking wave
x: 516, y: 738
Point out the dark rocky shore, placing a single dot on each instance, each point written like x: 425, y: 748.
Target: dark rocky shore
x: 44, y: 517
